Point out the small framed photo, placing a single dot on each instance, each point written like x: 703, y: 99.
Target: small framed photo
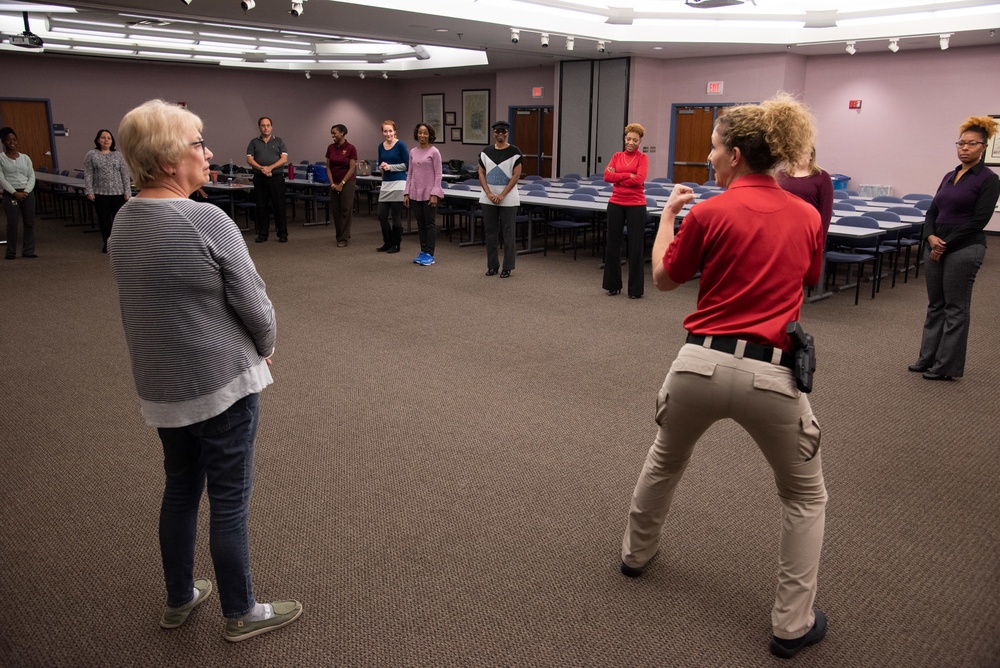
x: 993, y: 148
x: 456, y: 134
x: 449, y: 118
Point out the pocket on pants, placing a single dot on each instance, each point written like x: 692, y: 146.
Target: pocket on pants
x: 809, y: 436
x: 779, y: 381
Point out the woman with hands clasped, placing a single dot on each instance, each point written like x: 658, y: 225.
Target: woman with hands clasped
x: 627, y: 172
x: 341, y: 163
x: 108, y: 184
x: 956, y: 246
x: 393, y: 161
x: 17, y: 177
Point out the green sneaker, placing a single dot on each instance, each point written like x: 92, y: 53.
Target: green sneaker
x: 285, y: 612
x: 174, y: 617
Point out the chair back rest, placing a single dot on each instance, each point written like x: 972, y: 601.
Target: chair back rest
x: 662, y: 179
x: 888, y: 198
x: 582, y: 197
x: 855, y: 202
x: 884, y: 215
x: 658, y: 192
x: 923, y: 204
x: 459, y: 186
x: 586, y: 191
x: 690, y: 184
x: 843, y: 206
x: 700, y: 189
x: 531, y: 177
x: 916, y: 197
x: 905, y: 211
x: 852, y: 193
x: 709, y: 195
x: 710, y: 182
x: 651, y: 203
x: 859, y: 221
x: 840, y: 194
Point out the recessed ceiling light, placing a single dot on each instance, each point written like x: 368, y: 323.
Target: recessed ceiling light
x: 440, y: 30
x: 657, y: 48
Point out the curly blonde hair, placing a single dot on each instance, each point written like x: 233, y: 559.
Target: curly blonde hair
x: 636, y: 128
x: 776, y: 131
x: 984, y: 125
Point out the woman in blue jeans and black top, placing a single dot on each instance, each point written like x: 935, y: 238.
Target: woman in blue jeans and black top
x: 393, y: 161
x: 627, y: 171
x: 956, y: 245
x: 755, y: 246
x: 200, y: 330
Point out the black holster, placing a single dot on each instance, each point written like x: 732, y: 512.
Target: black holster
x: 804, y: 349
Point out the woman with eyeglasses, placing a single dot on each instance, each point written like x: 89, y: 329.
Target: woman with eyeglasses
x: 108, y: 184
x: 499, y: 171
x: 627, y: 207
x: 200, y: 331
x: 956, y: 246
x: 17, y: 177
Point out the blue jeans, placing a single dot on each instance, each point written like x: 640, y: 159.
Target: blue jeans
x: 219, y: 450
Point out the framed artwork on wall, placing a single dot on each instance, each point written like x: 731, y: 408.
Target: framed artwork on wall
x: 993, y: 147
x: 476, y: 117
x: 449, y: 118
x: 456, y: 134
x: 432, y: 113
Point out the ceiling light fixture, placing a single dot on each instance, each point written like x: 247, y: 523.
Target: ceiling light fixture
x: 850, y: 48
x: 894, y: 45
x: 944, y: 39
x: 545, y: 40
x: 309, y: 75
x: 296, y: 9
x: 247, y: 5
x: 601, y: 47
x: 515, y: 35
x: 361, y: 75
x: 385, y: 75
x: 187, y: 2
x: 336, y: 75
x: 569, y: 43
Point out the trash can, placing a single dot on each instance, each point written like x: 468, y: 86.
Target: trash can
x: 840, y: 181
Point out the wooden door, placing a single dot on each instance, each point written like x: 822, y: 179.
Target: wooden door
x: 30, y: 120
x: 532, y: 133
x: 692, y: 143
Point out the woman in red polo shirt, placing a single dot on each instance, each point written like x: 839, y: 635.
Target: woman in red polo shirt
x: 755, y: 245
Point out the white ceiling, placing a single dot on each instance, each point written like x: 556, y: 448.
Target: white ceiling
x: 397, y: 38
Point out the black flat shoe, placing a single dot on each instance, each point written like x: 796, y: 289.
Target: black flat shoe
x: 612, y: 293
x: 282, y: 240
x: 28, y: 255
x: 383, y: 248
x: 489, y: 272
x: 786, y: 649
x: 260, y: 240
x: 392, y: 249
x: 636, y: 571
x: 936, y: 376
x: 635, y: 296
x: 505, y: 273
x: 917, y: 368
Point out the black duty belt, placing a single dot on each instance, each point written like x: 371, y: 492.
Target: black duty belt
x: 755, y: 351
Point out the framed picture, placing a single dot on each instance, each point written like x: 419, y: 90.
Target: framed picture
x: 449, y: 118
x: 456, y: 134
x: 432, y: 113
x: 476, y: 117
x: 993, y: 148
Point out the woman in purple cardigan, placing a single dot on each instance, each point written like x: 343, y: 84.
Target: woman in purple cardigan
x: 956, y: 246
x: 423, y: 190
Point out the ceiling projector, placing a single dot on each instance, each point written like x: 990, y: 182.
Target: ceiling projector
x: 27, y: 40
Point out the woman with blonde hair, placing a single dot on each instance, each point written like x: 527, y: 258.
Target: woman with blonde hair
x: 809, y: 181
x: 393, y: 161
x: 755, y: 246
x: 956, y: 246
x: 200, y: 331
x: 627, y: 172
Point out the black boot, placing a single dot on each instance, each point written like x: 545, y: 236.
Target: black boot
x: 386, y: 241
x: 395, y: 238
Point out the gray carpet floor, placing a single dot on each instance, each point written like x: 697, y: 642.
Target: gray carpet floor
x: 444, y: 464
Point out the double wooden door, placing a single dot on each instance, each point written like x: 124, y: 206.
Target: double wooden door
x: 532, y: 133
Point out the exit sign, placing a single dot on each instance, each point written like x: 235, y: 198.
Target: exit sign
x: 537, y: 92
x: 854, y: 104
x: 714, y: 88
